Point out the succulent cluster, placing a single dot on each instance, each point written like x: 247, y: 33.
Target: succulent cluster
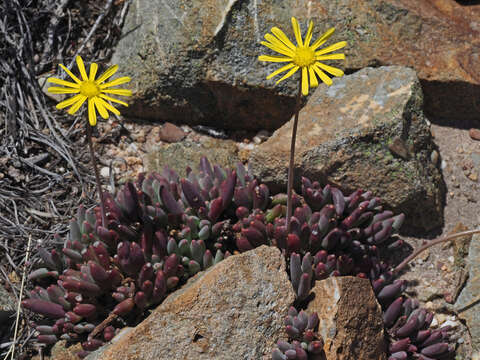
x: 161, y: 230
x: 409, y: 328
x: 305, y: 343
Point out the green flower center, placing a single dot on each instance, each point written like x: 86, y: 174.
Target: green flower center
x: 89, y: 89
x: 304, y: 56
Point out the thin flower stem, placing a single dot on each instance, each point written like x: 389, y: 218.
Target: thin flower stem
x: 15, y: 332
x: 424, y: 247
x: 97, y: 175
x: 292, y: 156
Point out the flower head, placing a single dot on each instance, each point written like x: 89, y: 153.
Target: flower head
x: 94, y: 90
x: 303, y: 56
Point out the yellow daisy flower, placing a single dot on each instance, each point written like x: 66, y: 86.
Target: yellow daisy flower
x: 303, y: 56
x: 93, y: 90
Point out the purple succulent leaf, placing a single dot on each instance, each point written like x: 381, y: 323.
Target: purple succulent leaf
x: 435, y: 350
x: 392, y: 312
x: 278, y: 355
x: 400, y: 355
x: 193, y: 197
x: 45, y: 308
x: 408, y: 328
x: 304, y: 286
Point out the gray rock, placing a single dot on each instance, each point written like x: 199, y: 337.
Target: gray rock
x: 365, y: 131
x: 234, y: 311
x: 196, y: 61
x: 468, y: 302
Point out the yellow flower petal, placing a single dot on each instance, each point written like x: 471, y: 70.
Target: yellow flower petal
x: 276, y: 48
x: 330, y: 57
x: 332, y: 70
x: 274, y: 58
x: 68, y: 101
x: 115, y: 82
x: 304, y: 81
x: 59, y: 90
x: 281, y: 35
x: 123, y: 92
x: 109, y: 72
x: 273, y: 40
x: 76, y: 79
x: 92, y: 115
x: 101, y: 109
x: 331, y: 48
x: 108, y: 106
x: 313, y: 77
x: 287, y: 75
x: 321, y: 40
x: 93, y: 71
x: 308, y: 37
x: 282, y: 69
x: 63, y: 82
x: 324, y: 77
x: 77, y: 105
x: 296, y: 30
x: 106, y: 97
x: 81, y: 68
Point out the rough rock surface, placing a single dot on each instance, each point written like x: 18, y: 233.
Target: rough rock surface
x: 188, y: 153
x: 196, y: 61
x: 365, y: 131
x: 468, y: 303
x: 350, y: 319
x: 234, y: 311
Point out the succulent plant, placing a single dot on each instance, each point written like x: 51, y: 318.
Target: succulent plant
x: 409, y: 328
x: 162, y: 229
x: 304, y: 341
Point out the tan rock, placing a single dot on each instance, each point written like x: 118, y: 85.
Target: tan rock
x: 351, y: 321
x: 234, y: 311
x: 61, y: 351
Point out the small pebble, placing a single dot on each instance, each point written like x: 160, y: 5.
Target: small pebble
x: 443, y: 165
x: 441, y: 318
x: 105, y: 172
x: 473, y: 176
x: 257, y: 140
x: 434, y: 157
x: 474, y: 134
x: 429, y: 305
x: 246, y: 146
x: 132, y: 148
x: 451, y: 323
